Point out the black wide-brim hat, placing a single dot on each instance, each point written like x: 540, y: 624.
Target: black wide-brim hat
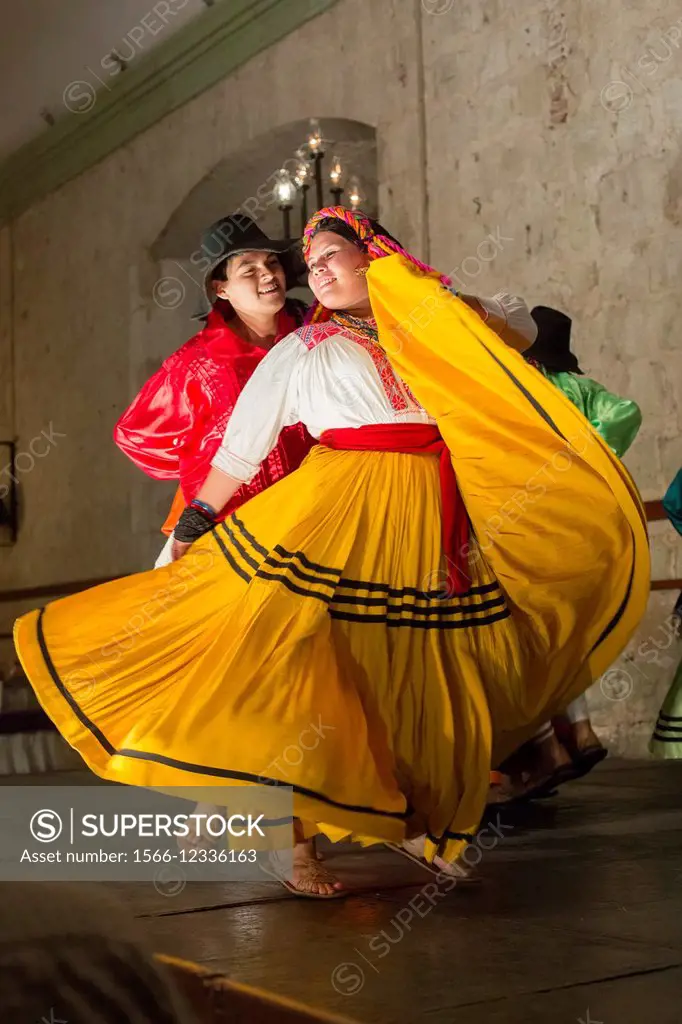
x: 552, y: 347
x: 238, y: 233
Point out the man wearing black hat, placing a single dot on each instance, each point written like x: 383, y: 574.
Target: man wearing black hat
x: 175, y: 425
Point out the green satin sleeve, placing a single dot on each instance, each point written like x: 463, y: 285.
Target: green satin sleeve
x: 616, y: 419
x: 672, y: 502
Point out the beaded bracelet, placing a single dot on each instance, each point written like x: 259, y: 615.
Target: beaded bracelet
x: 208, y: 510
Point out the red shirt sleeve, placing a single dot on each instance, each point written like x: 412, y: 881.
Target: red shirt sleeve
x: 159, y: 422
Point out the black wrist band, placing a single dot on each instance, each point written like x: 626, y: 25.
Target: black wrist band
x: 192, y: 525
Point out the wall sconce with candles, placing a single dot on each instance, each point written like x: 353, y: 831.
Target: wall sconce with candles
x: 309, y: 160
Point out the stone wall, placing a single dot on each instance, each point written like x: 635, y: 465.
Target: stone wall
x: 531, y: 146
x: 553, y: 129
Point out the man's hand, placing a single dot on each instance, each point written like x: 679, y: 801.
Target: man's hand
x: 179, y: 549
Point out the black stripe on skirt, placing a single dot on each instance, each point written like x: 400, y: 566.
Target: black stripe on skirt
x: 391, y: 609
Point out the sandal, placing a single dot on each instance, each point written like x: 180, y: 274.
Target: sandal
x: 583, y: 763
x: 548, y: 786
x: 279, y: 869
x: 585, y: 760
x: 413, y: 849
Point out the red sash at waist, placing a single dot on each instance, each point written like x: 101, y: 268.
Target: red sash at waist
x: 419, y: 439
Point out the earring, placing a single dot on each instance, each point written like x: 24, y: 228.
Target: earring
x: 361, y: 271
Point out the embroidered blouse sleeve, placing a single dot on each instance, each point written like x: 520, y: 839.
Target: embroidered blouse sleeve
x: 268, y: 403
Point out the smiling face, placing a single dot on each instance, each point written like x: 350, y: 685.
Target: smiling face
x: 255, y: 283
x: 334, y: 279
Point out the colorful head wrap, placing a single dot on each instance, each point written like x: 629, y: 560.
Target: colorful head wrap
x: 376, y: 244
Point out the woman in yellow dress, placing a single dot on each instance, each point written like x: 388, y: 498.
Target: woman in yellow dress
x: 407, y: 589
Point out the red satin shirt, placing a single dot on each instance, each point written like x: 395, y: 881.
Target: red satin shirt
x: 174, y: 427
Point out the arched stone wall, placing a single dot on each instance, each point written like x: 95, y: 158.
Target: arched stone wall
x: 243, y: 180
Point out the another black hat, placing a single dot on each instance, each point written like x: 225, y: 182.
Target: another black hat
x: 238, y: 233
x: 552, y: 347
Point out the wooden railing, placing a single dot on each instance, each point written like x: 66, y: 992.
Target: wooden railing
x: 654, y: 511
x: 34, y: 720
x: 51, y: 590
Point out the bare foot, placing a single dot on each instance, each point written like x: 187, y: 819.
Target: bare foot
x: 307, y: 875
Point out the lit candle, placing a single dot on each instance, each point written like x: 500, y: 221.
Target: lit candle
x: 336, y: 172
x: 285, y: 190
x: 314, y: 136
x: 355, y: 195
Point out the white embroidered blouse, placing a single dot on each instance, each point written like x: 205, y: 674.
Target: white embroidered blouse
x: 326, y: 377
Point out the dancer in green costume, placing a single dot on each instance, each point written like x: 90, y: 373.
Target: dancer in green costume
x: 568, y: 748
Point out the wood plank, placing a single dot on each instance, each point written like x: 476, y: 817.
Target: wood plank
x: 215, y: 999
x: 654, y: 511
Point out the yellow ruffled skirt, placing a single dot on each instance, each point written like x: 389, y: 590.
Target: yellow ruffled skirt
x: 308, y: 640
